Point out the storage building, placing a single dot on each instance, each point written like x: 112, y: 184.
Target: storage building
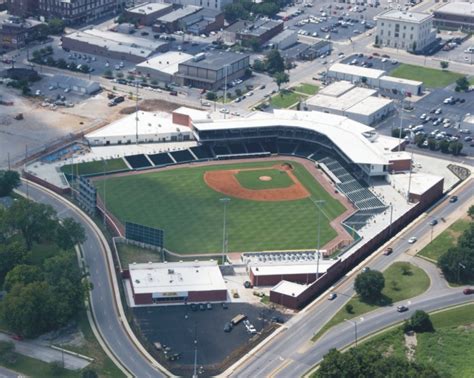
x: 147, y: 13
x: 284, y: 40
x: 163, y: 67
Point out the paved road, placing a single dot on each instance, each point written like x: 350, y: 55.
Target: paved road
x: 291, y: 353
x: 46, y: 354
x: 102, y: 297
x: 6, y: 373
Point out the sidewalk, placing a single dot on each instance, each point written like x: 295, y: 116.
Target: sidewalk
x: 46, y: 354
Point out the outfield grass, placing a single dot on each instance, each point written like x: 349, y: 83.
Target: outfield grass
x: 250, y: 179
x: 93, y: 167
x: 447, y: 239
x: 432, y: 78
x: 180, y: 202
x: 285, y: 99
x: 448, y: 349
x: 309, y: 89
x: 407, y: 286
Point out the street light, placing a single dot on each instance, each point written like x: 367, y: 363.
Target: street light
x: 354, y: 323
x: 225, y: 201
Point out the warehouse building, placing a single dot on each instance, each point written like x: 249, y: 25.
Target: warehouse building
x: 203, y: 21
x: 209, y: 4
x: 183, y: 282
x: 284, y: 40
x: 113, y: 45
x: 163, y: 67
x: 171, y: 22
x: 344, y: 98
x: 455, y: 15
x: 211, y: 70
x: 75, y: 84
x: 261, y: 31
x: 147, y: 13
x: 412, y: 31
x: 408, y: 87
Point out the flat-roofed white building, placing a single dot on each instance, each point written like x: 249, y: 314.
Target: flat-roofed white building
x: 163, y: 67
x: 455, y: 15
x: 412, y: 31
x: 406, y: 86
x: 359, y: 104
x: 355, y: 74
x: 147, y: 13
x: 183, y: 282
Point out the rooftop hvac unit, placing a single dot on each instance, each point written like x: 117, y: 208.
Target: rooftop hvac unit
x: 170, y: 271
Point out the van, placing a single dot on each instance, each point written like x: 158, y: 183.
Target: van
x: 418, y: 128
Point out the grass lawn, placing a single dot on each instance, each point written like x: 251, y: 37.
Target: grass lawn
x: 180, y: 202
x: 92, y: 167
x: 471, y: 80
x: 35, y: 368
x: 129, y: 253
x: 447, y: 239
x: 432, y: 78
x: 250, y: 179
x: 397, y: 288
x: 285, y: 99
x: 308, y: 89
x: 448, y: 349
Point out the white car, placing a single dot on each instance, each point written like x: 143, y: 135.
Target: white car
x: 412, y: 240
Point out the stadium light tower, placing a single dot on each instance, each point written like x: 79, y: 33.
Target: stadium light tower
x: 318, y: 203
x: 225, y: 201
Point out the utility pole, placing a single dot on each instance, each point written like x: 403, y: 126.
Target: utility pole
x: 354, y: 323
x: 409, y: 178
x: 391, y: 218
x: 225, y: 201
x: 105, y: 186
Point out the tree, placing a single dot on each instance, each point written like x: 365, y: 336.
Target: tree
x: 50, y: 61
x: 349, y: 308
x: 22, y: 275
x: 11, y: 254
x: 274, y: 62
x: 238, y: 92
x: 470, y: 212
x: 396, y: 133
x: 211, y: 96
x: 35, y: 221
x: 119, y: 75
x: 108, y: 74
x: 254, y: 44
x: 6, y: 351
x: 457, y: 264
x: 406, y: 269
x: 69, y: 233
x: 61, y: 63
x: 9, y: 180
x: 281, y: 78
x: 455, y: 147
x: 419, y: 140
x: 432, y: 145
x: 420, y: 322
x: 233, y: 12
x: 369, y: 285
x: 85, y: 68
x: 55, y: 26
x: 444, y: 146
x: 444, y: 65
x: 363, y: 79
x: 258, y: 65
x: 89, y: 373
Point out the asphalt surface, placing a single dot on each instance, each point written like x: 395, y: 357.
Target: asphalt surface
x: 102, y: 297
x: 292, y: 353
x: 6, y: 373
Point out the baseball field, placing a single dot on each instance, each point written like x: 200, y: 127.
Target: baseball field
x: 271, y: 206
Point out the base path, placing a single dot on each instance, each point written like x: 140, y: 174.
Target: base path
x: 224, y: 181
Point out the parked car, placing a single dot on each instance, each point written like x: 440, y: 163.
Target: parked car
x: 434, y: 222
x: 402, y: 308
x: 366, y: 269
x: 228, y: 327
x: 225, y: 306
x: 453, y: 199
x: 209, y: 306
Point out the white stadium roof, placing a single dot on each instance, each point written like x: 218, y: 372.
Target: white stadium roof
x: 346, y: 134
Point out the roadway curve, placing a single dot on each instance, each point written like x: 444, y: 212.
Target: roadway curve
x: 291, y: 353
x: 102, y: 297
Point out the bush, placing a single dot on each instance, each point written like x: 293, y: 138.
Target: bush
x: 420, y: 322
x: 211, y: 96
x: 349, y: 308
x: 369, y: 285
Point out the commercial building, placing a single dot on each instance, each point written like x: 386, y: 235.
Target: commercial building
x: 283, y: 40
x: 171, y: 22
x: 183, y: 282
x: 411, y: 31
x: 75, y: 84
x: 22, y: 8
x: 150, y: 127
x: 203, y: 21
x: 79, y: 11
x: 374, y: 78
x: 15, y: 32
x: 261, y: 31
x: 113, y: 45
x: 455, y: 15
x: 147, y: 13
x: 210, y: 4
x: 316, y: 50
x: 359, y: 104
x: 211, y: 70
x: 163, y: 67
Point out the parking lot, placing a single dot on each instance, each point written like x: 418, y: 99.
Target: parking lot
x: 441, y: 117
x: 381, y: 62
x: 459, y: 53
x: 177, y: 327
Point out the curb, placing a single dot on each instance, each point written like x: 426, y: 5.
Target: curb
x: 72, y: 353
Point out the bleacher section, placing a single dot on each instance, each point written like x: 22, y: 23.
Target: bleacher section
x: 305, y: 150
x: 182, y: 156
x: 221, y: 150
x: 202, y: 152
x: 138, y: 161
x: 270, y: 146
x: 253, y: 148
x: 237, y: 148
x: 161, y: 159
x: 286, y: 148
x: 360, y: 219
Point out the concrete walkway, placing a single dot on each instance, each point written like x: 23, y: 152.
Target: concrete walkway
x: 46, y: 354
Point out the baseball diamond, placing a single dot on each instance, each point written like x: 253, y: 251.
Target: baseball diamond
x: 278, y: 215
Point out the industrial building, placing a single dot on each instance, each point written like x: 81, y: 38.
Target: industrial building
x: 171, y: 22
x: 245, y: 32
x: 211, y: 70
x: 113, y: 45
x: 411, y: 31
x: 147, y: 13
x: 374, y: 78
x: 76, y: 84
x: 283, y: 40
x: 344, y: 98
x: 163, y: 67
x: 149, y: 127
x: 210, y: 4
x: 203, y: 21
x: 183, y: 282
x: 457, y: 15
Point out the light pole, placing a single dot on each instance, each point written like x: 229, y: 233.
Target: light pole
x: 225, y: 201
x: 105, y: 182
x: 354, y: 323
x: 317, y: 203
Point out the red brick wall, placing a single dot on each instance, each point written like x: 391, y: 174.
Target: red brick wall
x: 143, y: 298
x: 207, y: 296
x: 274, y: 279
x: 181, y: 119
x: 399, y: 165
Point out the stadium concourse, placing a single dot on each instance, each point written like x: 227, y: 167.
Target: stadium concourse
x: 372, y: 171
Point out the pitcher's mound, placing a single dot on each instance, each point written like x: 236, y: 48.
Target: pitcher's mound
x: 265, y: 178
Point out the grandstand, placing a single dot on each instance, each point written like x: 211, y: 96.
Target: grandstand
x: 138, y: 161
x: 183, y: 156
x: 161, y: 159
